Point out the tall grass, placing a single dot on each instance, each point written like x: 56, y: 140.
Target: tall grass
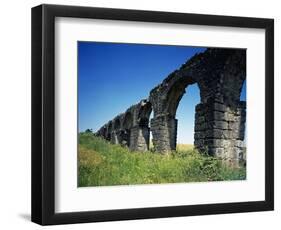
x: 101, y: 163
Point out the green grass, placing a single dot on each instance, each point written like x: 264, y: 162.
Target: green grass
x: 101, y: 163
x: 184, y: 147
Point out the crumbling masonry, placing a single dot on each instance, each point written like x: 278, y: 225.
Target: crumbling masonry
x: 219, y: 118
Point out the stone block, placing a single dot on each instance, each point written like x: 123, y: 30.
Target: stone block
x: 229, y: 117
x: 239, y: 144
x: 218, y: 134
x: 200, y: 127
x: 199, y: 120
x: 219, y: 143
x: 199, y: 142
x: 232, y: 125
x: 199, y: 135
x: 219, y: 107
x: 217, y: 125
x: 217, y: 152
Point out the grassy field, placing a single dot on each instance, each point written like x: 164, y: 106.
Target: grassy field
x: 101, y: 163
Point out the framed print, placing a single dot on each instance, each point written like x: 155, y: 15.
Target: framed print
x: 142, y: 114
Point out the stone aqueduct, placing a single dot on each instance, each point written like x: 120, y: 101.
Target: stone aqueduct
x: 219, y: 118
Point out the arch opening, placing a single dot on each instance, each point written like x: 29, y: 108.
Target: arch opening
x: 144, y: 114
x: 165, y: 124
x: 185, y: 115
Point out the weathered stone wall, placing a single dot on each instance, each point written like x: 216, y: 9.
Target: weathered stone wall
x: 220, y: 116
x: 140, y: 138
x: 219, y: 130
x: 164, y: 132
x: 130, y: 128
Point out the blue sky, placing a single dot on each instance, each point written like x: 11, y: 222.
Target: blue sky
x: 114, y: 76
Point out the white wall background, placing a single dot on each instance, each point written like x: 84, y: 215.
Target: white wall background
x: 15, y: 113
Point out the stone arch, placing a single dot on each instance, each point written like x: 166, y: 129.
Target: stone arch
x: 164, y: 124
x: 144, y: 113
x: 175, y: 94
x: 219, y: 118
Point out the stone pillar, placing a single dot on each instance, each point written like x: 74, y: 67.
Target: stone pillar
x: 139, y: 138
x: 124, y: 137
x: 164, y: 133
x: 200, y: 128
x: 114, y: 137
x: 219, y: 131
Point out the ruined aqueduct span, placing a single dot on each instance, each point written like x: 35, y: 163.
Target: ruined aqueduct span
x: 219, y: 118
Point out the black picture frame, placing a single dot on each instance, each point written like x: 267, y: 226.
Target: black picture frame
x: 43, y: 114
